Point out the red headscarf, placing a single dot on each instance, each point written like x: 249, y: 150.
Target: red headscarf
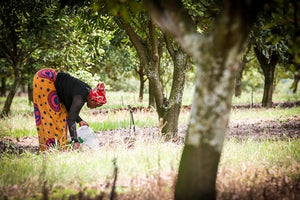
x: 98, y: 94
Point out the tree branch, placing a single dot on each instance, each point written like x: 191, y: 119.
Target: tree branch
x: 171, y: 17
x: 169, y: 45
x: 136, y: 41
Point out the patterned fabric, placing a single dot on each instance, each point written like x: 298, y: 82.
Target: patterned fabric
x: 50, y: 114
x: 98, y: 94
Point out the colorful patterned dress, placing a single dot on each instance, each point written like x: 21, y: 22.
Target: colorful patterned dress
x: 50, y: 114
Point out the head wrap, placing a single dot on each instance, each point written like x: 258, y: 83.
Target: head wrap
x: 98, y: 94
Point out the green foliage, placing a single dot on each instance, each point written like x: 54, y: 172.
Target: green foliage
x: 91, y: 45
x: 274, y: 33
x: 203, y: 12
x: 86, y: 76
x: 77, y: 47
x: 25, y: 27
x: 252, y: 79
x: 124, y: 8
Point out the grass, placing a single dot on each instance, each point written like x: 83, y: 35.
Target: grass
x: 259, y: 170
x: 269, y: 152
x: 68, y: 172
x: 277, y: 114
x: 24, y: 125
x: 148, y: 170
x: 85, y: 168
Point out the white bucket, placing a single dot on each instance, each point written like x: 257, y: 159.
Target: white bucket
x: 87, y: 138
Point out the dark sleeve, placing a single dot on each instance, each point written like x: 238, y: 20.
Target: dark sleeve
x: 78, y: 119
x: 75, y: 108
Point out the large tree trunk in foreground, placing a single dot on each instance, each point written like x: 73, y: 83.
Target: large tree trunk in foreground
x: 216, y: 57
x: 268, y: 66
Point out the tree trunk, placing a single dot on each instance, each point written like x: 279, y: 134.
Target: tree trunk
x: 170, y: 122
x: 153, y: 74
x: 141, y: 91
x: 151, y: 97
x: 3, y: 87
x: 268, y: 66
x: 172, y: 106
x: 216, y: 57
x: 194, y: 185
x: 295, y: 46
x: 238, y: 79
x: 10, y: 97
x: 296, y: 81
x: 142, y: 84
x: 30, y: 93
x: 239, y: 74
x: 268, y: 87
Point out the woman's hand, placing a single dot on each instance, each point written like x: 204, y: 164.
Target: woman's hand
x: 83, y: 123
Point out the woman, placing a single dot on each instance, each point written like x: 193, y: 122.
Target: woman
x: 58, y: 98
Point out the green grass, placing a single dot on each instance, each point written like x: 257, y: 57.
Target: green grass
x: 69, y: 171
x: 20, y: 125
x: 22, y: 176
x: 73, y: 169
x: 266, y: 114
x: 268, y: 152
x: 118, y: 124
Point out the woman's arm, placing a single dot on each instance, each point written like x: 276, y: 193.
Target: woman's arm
x: 81, y: 122
x: 75, y: 108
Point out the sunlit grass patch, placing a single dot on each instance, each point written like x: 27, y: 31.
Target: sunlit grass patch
x: 121, y: 119
x: 268, y: 169
x: 20, y: 105
x: 122, y: 99
x: 264, y: 114
x: 18, y: 126
x: 72, y: 170
x: 244, y: 164
x: 269, y: 152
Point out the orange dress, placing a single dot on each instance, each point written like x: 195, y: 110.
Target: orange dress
x: 50, y: 114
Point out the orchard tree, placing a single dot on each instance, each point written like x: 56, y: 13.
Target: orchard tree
x: 216, y: 56
x: 5, y: 73
x: 253, y: 79
x: 293, y: 26
x: 90, y: 44
x: 274, y: 42
x: 25, y: 27
x: 149, y: 41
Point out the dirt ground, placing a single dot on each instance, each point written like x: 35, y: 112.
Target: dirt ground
x: 239, y: 129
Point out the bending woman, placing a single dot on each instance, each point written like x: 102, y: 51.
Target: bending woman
x: 58, y: 98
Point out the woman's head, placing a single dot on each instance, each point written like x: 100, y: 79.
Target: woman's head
x: 97, y: 96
